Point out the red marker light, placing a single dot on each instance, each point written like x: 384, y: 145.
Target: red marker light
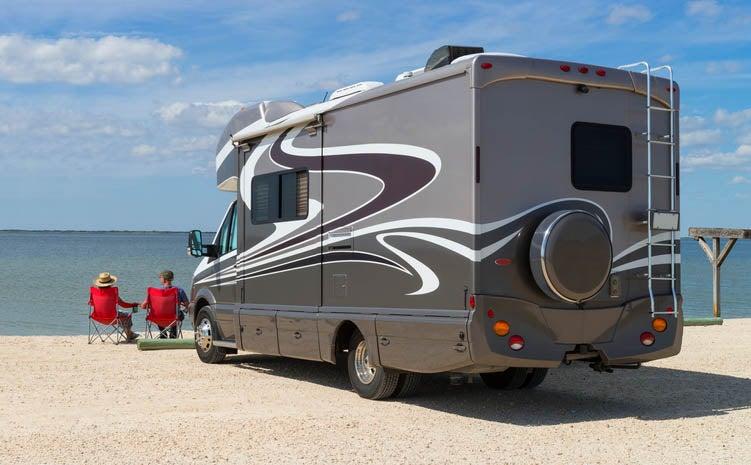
x: 600, y: 72
x: 516, y: 342
x: 491, y: 313
x: 472, y: 302
x: 486, y: 65
x: 503, y: 261
x: 647, y: 338
x: 583, y: 69
x: 565, y: 68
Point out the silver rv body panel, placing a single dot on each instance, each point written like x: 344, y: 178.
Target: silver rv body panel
x: 422, y: 198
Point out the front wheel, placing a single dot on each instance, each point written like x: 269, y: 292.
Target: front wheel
x: 369, y: 381
x: 204, y: 334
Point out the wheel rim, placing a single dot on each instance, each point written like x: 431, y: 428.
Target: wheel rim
x: 364, y: 371
x: 203, y: 335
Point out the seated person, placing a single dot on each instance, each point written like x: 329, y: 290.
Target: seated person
x: 125, y: 318
x: 165, y: 278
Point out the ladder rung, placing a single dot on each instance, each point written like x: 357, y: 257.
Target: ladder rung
x: 663, y: 211
x: 661, y: 278
x: 661, y: 108
x: 661, y: 176
x: 660, y: 244
x: 661, y: 142
x: 663, y: 313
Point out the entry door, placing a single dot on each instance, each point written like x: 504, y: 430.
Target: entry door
x: 279, y: 264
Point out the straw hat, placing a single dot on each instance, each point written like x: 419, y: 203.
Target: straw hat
x: 105, y: 280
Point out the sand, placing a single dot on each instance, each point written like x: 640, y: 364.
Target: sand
x: 65, y: 402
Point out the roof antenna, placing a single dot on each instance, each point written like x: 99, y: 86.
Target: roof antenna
x: 325, y: 95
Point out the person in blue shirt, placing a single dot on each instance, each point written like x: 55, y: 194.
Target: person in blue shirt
x: 166, y: 277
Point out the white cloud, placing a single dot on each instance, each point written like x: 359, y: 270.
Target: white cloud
x: 108, y: 59
x: 211, y: 115
x: 143, y: 150
x: 703, y: 8
x: 745, y: 138
x: 729, y: 118
x: 691, y: 123
x: 740, y: 180
x: 700, y: 137
x: 621, y: 14
x: 724, y: 67
x: 741, y: 156
x: 348, y: 16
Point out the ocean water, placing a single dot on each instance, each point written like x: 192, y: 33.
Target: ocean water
x: 45, y: 276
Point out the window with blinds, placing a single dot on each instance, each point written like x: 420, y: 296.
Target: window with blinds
x: 281, y: 196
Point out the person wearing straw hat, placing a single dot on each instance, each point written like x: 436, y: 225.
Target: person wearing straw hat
x: 106, y: 279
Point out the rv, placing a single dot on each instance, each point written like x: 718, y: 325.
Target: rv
x: 487, y: 214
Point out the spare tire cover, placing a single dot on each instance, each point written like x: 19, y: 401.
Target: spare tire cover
x: 571, y: 255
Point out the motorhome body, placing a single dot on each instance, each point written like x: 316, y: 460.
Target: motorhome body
x: 495, y: 215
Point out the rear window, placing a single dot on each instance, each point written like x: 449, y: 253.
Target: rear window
x: 601, y: 157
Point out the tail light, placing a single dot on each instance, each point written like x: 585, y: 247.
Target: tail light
x: 516, y: 342
x: 501, y: 328
x: 659, y: 324
x: 472, y: 302
x: 647, y: 338
x: 486, y: 65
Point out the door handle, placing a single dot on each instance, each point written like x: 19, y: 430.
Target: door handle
x: 298, y: 334
x: 385, y: 341
x: 460, y: 347
x: 259, y: 331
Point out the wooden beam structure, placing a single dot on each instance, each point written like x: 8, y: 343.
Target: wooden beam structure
x: 716, y: 255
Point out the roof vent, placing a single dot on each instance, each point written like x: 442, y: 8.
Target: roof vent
x: 443, y: 56
x: 354, y: 89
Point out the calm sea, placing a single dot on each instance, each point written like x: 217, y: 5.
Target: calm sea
x: 45, y: 276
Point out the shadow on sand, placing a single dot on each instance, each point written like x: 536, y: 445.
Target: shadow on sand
x: 568, y: 395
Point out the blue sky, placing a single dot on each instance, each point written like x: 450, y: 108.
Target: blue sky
x: 109, y: 113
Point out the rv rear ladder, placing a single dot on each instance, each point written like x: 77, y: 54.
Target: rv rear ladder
x: 669, y: 141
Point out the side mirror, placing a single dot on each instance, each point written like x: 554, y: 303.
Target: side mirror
x: 196, y: 246
x: 195, y: 243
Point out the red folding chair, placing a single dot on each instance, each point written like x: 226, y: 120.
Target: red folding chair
x: 103, y: 317
x: 163, y: 311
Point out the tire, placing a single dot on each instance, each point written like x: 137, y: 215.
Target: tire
x: 369, y: 382
x: 204, y: 336
x: 512, y: 378
x: 407, y: 385
x: 535, y: 377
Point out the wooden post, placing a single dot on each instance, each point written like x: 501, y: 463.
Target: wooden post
x: 715, y: 277
x: 716, y: 256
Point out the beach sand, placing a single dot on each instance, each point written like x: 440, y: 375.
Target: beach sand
x: 65, y: 402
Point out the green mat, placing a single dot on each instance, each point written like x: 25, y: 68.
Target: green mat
x: 163, y: 344
x: 702, y: 321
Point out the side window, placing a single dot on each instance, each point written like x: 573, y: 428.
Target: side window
x: 601, y: 157
x: 233, y: 234
x: 281, y: 196
x: 224, y: 236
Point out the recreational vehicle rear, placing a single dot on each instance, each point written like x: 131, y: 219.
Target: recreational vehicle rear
x: 489, y: 213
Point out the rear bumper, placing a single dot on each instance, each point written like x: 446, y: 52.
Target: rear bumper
x: 549, y: 334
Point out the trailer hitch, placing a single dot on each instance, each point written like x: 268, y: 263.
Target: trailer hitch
x: 602, y: 367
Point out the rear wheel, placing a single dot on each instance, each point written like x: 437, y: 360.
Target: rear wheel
x: 512, y: 378
x: 204, y: 334
x: 408, y: 384
x: 369, y: 381
x: 535, y: 377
